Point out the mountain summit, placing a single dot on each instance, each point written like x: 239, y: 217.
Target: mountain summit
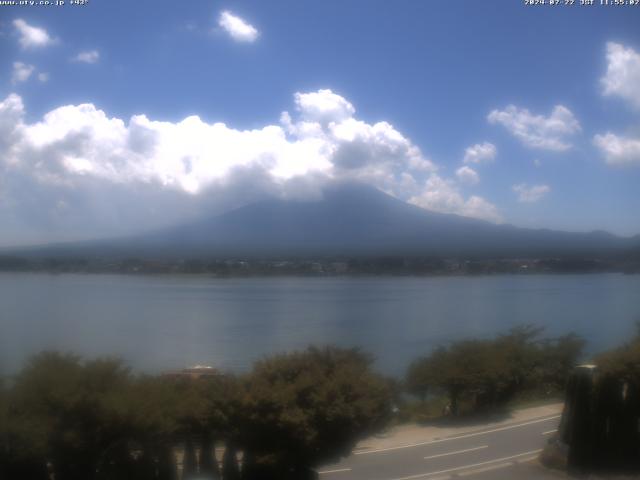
x: 353, y: 219
x: 349, y: 220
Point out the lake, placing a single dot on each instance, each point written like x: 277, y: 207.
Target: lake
x: 162, y: 322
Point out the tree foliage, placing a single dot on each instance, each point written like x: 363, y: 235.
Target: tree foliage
x: 67, y: 413
x: 95, y: 420
x: 309, y: 407
x: 489, y: 373
x: 622, y: 362
x: 79, y: 419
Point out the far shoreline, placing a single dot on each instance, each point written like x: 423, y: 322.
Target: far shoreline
x: 338, y: 266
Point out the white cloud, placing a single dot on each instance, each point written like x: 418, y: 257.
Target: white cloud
x: 114, y: 175
x: 442, y: 196
x: 623, y: 73
x: 43, y: 77
x: 530, y: 194
x: 618, y: 150
x: 30, y: 36
x: 323, y: 106
x: 467, y: 175
x: 89, y: 56
x: 11, y: 115
x: 237, y: 28
x: 538, y: 131
x: 480, y: 153
x: 21, y: 72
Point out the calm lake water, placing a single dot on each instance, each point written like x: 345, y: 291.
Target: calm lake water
x: 161, y: 322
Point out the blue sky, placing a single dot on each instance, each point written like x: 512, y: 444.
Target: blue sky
x: 522, y: 114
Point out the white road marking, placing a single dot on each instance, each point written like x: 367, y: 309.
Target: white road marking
x: 337, y: 470
x: 455, y: 453
x: 527, y: 459
x: 465, y: 467
x: 497, y: 466
x: 549, y: 431
x: 468, y: 435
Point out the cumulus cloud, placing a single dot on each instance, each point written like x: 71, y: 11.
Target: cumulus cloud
x: 323, y: 106
x: 538, y: 131
x: 11, y: 115
x: 480, y: 153
x: 78, y: 172
x: 467, y: 175
x: 618, y: 150
x: 530, y: 194
x: 441, y: 195
x: 89, y: 56
x: 21, y: 72
x: 43, y: 77
x: 237, y: 28
x: 30, y: 36
x: 623, y: 73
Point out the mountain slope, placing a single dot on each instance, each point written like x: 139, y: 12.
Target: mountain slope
x: 350, y: 220
x: 355, y: 219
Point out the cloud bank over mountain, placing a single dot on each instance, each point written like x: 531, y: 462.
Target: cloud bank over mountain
x: 77, y: 172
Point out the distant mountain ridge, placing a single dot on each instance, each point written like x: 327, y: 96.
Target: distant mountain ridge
x: 354, y: 219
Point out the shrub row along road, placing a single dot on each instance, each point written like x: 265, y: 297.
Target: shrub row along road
x: 468, y: 454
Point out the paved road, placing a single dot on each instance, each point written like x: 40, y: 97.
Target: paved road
x: 504, y: 448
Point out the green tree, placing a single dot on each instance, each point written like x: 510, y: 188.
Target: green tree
x: 22, y: 442
x: 305, y: 408
x: 187, y: 411
x: 207, y: 411
x: 153, y: 404
x: 468, y: 370
x: 71, y: 413
x: 559, y: 357
x: 488, y: 373
x: 520, y: 350
x: 622, y: 363
x: 420, y: 378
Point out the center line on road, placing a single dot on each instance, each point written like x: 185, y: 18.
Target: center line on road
x: 549, y: 431
x: 465, y: 467
x: 455, y: 453
x: 472, y: 434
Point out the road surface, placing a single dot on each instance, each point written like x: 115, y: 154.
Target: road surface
x: 507, y: 449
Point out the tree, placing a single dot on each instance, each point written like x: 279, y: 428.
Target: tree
x: 305, y: 408
x: 622, y: 362
x: 467, y: 370
x: 193, y: 412
x: 489, y: 373
x: 71, y: 413
x: 420, y: 378
x: 230, y: 470
x: 520, y: 350
x: 22, y: 442
x: 559, y: 357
